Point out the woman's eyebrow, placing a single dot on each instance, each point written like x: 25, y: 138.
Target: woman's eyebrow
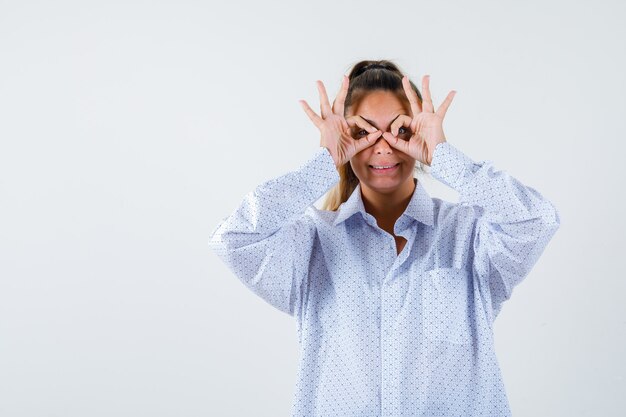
x: 372, y: 123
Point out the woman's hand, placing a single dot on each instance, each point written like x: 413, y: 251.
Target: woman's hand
x: 426, y: 126
x: 335, y: 129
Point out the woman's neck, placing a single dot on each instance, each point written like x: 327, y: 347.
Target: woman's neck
x: 387, y: 207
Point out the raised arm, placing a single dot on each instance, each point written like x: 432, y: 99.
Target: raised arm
x: 267, y: 241
x: 514, y: 222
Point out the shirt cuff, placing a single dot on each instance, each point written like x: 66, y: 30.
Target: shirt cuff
x: 319, y: 173
x: 451, y: 166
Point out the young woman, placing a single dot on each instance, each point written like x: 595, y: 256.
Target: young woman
x: 394, y: 292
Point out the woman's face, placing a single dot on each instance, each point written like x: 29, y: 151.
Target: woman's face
x: 380, y: 108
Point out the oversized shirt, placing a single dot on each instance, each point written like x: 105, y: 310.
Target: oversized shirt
x: 383, y: 334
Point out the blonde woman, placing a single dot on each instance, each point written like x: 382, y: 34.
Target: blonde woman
x: 394, y: 292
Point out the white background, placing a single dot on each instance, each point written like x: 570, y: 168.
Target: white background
x: 130, y: 128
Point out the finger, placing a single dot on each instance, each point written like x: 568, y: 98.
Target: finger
x: 427, y: 104
x: 367, y: 141
x: 401, y: 121
x: 312, y: 115
x: 396, y: 142
x: 357, y: 120
x: 338, y: 104
x: 324, y: 104
x: 446, y: 103
x: 416, y: 107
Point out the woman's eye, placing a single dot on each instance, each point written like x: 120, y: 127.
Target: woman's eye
x: 404, y: 133
x: 357, y: 133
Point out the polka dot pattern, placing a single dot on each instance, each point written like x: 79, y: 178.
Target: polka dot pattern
x: 381, y: 333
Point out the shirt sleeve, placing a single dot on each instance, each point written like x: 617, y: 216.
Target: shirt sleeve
x: 267, y: 240
x: 514, y: 222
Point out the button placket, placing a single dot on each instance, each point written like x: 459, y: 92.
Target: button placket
x: 404, y: 254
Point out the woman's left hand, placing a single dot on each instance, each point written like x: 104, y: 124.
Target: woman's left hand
x: 426, y: 126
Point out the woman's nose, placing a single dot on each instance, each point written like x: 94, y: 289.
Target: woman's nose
x: 382, y: 146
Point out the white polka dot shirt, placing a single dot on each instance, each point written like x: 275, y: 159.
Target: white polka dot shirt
x: 383, y: 334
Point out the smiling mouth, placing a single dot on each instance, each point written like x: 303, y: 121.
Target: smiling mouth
x: 384, y: 168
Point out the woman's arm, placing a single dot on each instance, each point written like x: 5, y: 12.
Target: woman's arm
x: 514, y: 222
x: 267, y: 241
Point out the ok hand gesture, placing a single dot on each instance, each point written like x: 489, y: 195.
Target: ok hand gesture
x: 335, y: 129
x: 426, y: 126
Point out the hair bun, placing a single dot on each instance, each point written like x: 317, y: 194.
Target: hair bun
x: 374, y: 66
x: 365, y: 66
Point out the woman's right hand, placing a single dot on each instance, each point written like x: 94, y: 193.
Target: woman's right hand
x: 336, y: 130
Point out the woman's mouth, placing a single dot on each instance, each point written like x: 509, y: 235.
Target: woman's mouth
x: 384, y: 168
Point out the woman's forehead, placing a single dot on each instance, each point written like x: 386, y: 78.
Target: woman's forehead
x: 381, y: 106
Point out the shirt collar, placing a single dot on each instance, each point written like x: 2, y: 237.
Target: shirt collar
x: 420, y: 206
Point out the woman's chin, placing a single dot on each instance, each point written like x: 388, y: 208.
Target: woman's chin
x: 383, y: 185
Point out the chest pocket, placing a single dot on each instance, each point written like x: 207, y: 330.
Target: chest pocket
x: 445, y: 302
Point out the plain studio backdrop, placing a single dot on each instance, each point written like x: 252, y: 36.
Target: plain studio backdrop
x: 129, y: 129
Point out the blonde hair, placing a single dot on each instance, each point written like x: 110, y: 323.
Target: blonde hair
x: 366, y: 76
